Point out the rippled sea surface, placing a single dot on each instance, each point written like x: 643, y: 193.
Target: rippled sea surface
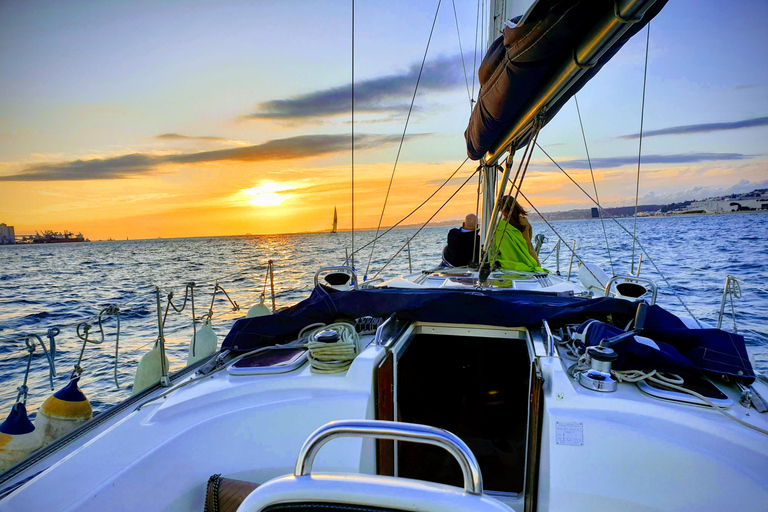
x: 44, y: 286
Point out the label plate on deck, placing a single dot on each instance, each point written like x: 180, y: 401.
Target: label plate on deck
x: 569, y: 433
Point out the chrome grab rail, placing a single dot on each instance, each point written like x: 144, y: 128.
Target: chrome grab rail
x: 632, y: 279
x: 343, y: 269
x: 550, y: 339
x: 377, y: 429
x: 732, y: 287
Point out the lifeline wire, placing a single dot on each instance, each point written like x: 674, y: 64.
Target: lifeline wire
x: 594, y: 184
x: 402, y: 139
x: 640, y: 146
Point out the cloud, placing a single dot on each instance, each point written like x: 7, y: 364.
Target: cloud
x: 125, y: 166
x: 389, y: 94
x: 702, y: 128
x: 685, y: 158
x: 750, y: 86
x: 178, y: 136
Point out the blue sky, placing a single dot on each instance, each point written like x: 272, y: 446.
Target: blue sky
x: 176, y: 107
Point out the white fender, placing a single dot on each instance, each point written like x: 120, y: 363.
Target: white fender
x: 149, y: 371
x: 205, y: 343
x: 259, y: 309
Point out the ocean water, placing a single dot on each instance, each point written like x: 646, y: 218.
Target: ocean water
x: 44, y: 286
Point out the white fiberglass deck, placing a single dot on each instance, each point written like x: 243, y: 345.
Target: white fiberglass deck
x: 599, y: 451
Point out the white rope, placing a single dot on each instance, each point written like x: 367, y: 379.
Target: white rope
x: 333, y: 357
x: 673, y: 381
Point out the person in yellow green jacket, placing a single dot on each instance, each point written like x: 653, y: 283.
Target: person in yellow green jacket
x: 513, y: 239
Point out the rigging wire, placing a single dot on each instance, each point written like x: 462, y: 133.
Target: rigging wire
x: 594, y: 184
x: 353, y: 132
x: 531, y: 145
x: 461, y: 52
x: 573, y: 250
x: 409, y: 240
x: 674, y: 292
x: 474, y: 53
x: 412, y: 211
x: 402, y: 139
x: 477, y: 214
x: 640, y: 145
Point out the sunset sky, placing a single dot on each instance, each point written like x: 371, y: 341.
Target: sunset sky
x: 191, y: 118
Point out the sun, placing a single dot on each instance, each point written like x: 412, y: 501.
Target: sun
x: 267, y: 194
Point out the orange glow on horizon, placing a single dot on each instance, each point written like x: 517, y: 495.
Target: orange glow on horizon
x: 189, y: 201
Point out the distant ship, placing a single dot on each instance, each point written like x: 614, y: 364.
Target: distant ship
x: 335, y: 221
x: 54, y: 237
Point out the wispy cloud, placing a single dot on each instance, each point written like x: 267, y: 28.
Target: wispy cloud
x: 132, y: 165
x: 178, y: 136
x: 685, y: 158
x: 701, y: 128
x: 388, y: 94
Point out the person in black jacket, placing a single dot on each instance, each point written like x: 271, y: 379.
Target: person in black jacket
x: 461, y: 242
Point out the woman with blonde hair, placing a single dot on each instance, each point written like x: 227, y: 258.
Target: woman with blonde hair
x: 513, y: 239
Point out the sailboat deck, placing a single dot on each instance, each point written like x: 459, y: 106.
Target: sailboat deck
x: 251, y: 427
x: 500, y: 280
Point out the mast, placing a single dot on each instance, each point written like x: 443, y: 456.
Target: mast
x: 499, y: 12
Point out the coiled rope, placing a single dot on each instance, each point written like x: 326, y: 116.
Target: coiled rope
x: 333, y: 357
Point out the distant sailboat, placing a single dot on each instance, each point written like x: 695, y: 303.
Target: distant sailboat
x: 335, y: 221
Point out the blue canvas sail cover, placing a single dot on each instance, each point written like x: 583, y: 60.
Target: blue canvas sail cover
x: 528, y: 56
x: 674, y: 348
x: 710, y: 349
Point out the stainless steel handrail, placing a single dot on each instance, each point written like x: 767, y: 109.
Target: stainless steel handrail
x: 550, y: 339
x: 377, y: 429
x: 731, y: 285
x: 632, y: 279
x: 346, y: 270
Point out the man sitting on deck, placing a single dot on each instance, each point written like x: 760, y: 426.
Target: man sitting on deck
x: 461, y: 244
x: 512, y: 242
